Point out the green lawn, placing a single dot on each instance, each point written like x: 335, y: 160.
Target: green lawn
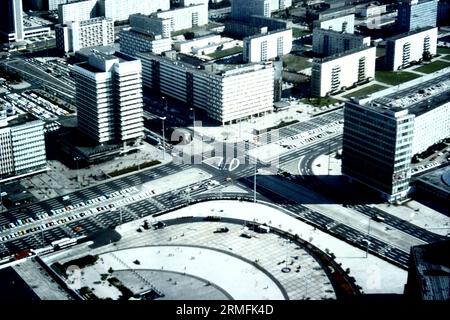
x: 319, y: 101
x: 227, y: 52
x: 296, y: 32
x: 443, y: 50
x: 447, y: 57
x: 295, y: 63
x: 395, y: 78
x: 433, y: 66
x: 365, y: 91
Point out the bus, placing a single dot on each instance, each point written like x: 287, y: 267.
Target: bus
x: 63, y: 243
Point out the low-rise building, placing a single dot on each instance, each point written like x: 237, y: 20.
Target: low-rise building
x: 343, y: 70
x: 73, y: 36
x: 226, y: 93
x: 267, y: 46
x: 329, y: 42
x: 405, y: 48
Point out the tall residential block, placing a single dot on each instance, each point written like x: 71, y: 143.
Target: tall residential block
x: 405, y: 48
x: 73, y: 36
x: 342, y: 71
x: 109, y: 98
x: 267, y: 46
x: 186, y: 17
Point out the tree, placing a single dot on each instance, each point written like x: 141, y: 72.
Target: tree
x: 189, y: 35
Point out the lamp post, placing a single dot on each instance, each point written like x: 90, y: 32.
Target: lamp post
x: 193, y: 122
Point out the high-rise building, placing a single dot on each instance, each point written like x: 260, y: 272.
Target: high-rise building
x: 342, y: 71
x: 120, y: 10
x: 77, y: 11
x: 276, y: 5
x: 382, y: 135
x: 22, y: 144
x: 73, y: 36
x: 109, y: 98
x: 11, y: 23
x: 151, y: 25
x: 226, y: 93
x: 244, y: 9
x: 329, y: 42
x: 267, y: 46
x: 416, y: 14
x: 405, y: 48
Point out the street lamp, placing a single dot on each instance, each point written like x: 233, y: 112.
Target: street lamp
x: 163, y: 136
x: 165, y: 99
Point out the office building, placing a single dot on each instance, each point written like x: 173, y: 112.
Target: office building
x: 405, y: 48
x: 226, y: 93
x: 11, y: 24
x: 243, y: 9
x: 73, y: 36
x: 109, y: 98
x: 329, y: 42
x: 186, y: 17
x: 416, y: 14
x: 434, y: 187
x: 77, y: 11
x: 337, y: 22
x: 342, y: 71
x: 382, y: 135
x: 22, y: 144
x: 267, y: 46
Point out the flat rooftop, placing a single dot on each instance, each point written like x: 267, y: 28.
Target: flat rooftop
x: 342, y: 54
x: 410, y: 33
x: 18, y: 120
x: 196, y: 65
x: 418, y: 99
x: 439, y: 179
x: 102, y: 56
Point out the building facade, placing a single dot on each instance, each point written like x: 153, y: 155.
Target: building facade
x: 186, y: 17
x: 382, y: 135
x: 405, y: 48
x: 244, y: 9
x: 117, y: 10
x: 73, y: 36
x: 226, y: 95
x: 267, y: 46
x: 132, y: 42
x: 341, y: 71
x: 109, y: 98
x: 276, y: 5
x: 329, y: 42
x: 11, y: 24
x: 151, y: 25
x: 416, y: 14
x: 22, y: 145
